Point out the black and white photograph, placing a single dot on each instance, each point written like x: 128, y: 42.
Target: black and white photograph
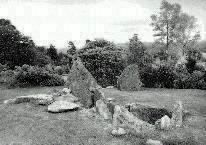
x: 102, y: 72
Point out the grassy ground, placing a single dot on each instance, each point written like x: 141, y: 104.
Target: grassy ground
x: 28, y: 124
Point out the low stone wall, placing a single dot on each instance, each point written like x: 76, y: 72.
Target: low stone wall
x: 122, y: 117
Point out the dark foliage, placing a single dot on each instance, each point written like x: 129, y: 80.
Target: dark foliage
x: 26, y: 76
x: 103, y: 60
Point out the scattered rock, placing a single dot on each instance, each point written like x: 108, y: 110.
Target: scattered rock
x: 66, y: 90
x: 110, y: 99
x: 109, y: 87
x: 80, y: 81
x: 153, y: 142
x: 177, y: 114
x: 118, y: 132
x: 102, y: 109
x: 62, y: 106
x: 41, y: 99
x: 163, y: 123
x: 129, y: 79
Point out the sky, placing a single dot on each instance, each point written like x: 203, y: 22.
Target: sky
x: 59, y: 21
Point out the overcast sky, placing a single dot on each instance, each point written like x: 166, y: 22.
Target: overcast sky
x: 59, y: 21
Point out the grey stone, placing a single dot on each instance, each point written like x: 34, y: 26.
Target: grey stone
x: 129, y: 79
x: 80, y: 81
x: 102, y: 109
x: 118, y: 132
x: 62, y: 106
x: 66, y: 90
x: 163, y: 123
x: 153, y: 142
x: 41, y: 99
x: 177, y: 114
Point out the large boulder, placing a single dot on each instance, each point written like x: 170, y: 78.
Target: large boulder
x: 62, y: 106
x: 80, y: 81
x: 129, y: 80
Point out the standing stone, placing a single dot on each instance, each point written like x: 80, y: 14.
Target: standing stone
x: 177, y: 114
x: 129, y: 79
x: 80, y: 81
x: 117, y: 111
x: 102, y: 109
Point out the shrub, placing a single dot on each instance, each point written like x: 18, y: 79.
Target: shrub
x: 157, y: 76
x: 34, y: 76
x: 185, y: 80
x: 59, y: 70
x: 103, y: 60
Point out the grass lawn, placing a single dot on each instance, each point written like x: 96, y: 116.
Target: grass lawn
x: 28, y: 124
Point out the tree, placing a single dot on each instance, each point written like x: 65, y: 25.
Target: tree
x: 173, y: 26
x: 52, y: 53
x: 136, y: 51
x: 15, y: 48
x: 42, y: 58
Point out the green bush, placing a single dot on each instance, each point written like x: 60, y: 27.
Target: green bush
x: 103, y: 60
x: 185, y: 80
x: 26, y: 76
x: 161, y: 76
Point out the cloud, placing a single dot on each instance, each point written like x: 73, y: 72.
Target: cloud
x: 51, y: 23
x: 64, y: 2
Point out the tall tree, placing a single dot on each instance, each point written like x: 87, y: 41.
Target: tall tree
x: 172, y: 26
x: 15, y: 48
x: 52, y: 53
x: 136, y: 51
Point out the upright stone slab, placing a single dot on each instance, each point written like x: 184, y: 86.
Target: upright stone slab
x: 80, y: 81
x: 177, y: 114
x: 129, y: 79
x: 102, y: 109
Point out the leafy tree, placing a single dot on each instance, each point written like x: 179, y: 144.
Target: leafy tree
x: 173, y: 26
x: 136, y: 51
x: 42, y: 58
x: 52, y: 53
x: 15, y: 48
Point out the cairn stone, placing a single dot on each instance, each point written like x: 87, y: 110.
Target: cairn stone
x: 80, y: 81
x: 129, y: 79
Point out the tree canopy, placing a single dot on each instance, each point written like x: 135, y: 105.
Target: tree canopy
x: 172, y: 26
